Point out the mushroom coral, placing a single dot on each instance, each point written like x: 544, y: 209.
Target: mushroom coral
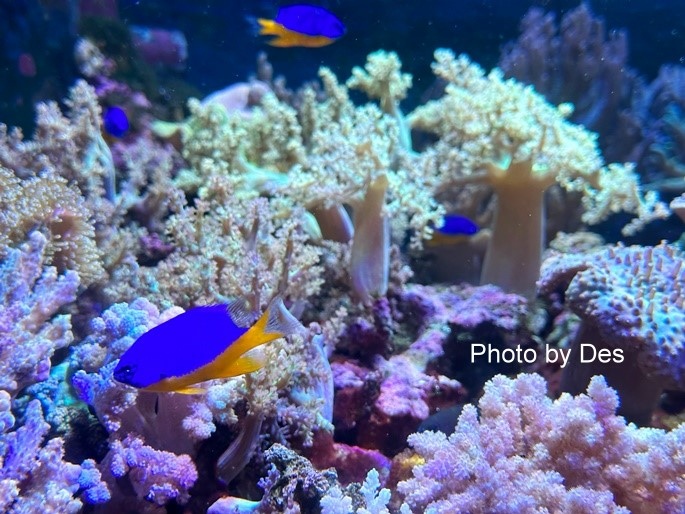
x: 628, y: 299
x: 503, y: 135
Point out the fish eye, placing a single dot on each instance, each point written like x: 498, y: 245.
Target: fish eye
x: 125, y: 373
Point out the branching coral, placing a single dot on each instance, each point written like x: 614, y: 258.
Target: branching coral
x: 320, y: 157
x: 155, y: 475
x: 34, y: 478
x: 70, y: 145
x: 31, y: 294
x: 499, y: 133
x: 168, y: 422
x: 382, y: 79
x: 290, y: 392
x: 238, y: 248
x: 522, y: 452
x: 254, y: 152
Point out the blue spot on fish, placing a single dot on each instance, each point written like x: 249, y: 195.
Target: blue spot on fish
x: 457, y: 225
x: 115, y: 121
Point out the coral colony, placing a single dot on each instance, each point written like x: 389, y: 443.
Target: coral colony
x: 368, y: 366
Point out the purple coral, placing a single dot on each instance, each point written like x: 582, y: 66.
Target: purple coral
x: 662, y: 111
x: 155, y: 475
x: 580, y: 62
x: 630, y: 301
x: 523, y: 452
x: 34, y: 478
x: 31, y: 294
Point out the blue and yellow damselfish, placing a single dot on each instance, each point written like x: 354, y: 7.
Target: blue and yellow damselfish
x: 202, y: 344
x: 302, y: 25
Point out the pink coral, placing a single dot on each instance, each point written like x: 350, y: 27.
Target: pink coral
x: 155, y: 475
x: 522, y: 452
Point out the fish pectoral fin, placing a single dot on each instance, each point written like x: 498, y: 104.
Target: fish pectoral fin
x: 282, y: 41
x: 244, y: 364
x: 191, y: 390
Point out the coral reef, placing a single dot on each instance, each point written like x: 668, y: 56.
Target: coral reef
x: 30, y: 332
x: 500, y: 134
x: 320, y: 201
x: 34, y: 476
x: 582, y: 63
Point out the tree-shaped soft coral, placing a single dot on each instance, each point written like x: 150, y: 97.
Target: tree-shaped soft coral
x: 503, y: 135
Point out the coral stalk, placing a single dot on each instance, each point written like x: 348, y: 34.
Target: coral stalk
x: 370, y: 259
x: 514, y: 255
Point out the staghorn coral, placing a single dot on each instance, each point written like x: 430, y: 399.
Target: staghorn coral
x: 31, y: 294
x: 522, y: 452
x: 34, y: 478
x: 628, y: 299
x: 500, y: 134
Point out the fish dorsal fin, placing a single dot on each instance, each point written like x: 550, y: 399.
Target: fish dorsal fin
x: 240, y: 315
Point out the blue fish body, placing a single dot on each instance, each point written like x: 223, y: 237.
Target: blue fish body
x: 454, y: 229
x: 115, y: 121
x: 457, y: 225
x: 310, y: 20
x: 201, y: 344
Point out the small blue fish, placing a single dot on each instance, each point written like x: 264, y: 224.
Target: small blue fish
x: 302, y: 25
x: 115, y: 121
x: 201, y: 344
x: 455, y: 228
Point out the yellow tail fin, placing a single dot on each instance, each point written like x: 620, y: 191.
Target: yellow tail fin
x: 274, y: 323
x: 269, y: 27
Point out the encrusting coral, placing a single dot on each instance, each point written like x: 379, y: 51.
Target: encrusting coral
x: 630, y: 300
